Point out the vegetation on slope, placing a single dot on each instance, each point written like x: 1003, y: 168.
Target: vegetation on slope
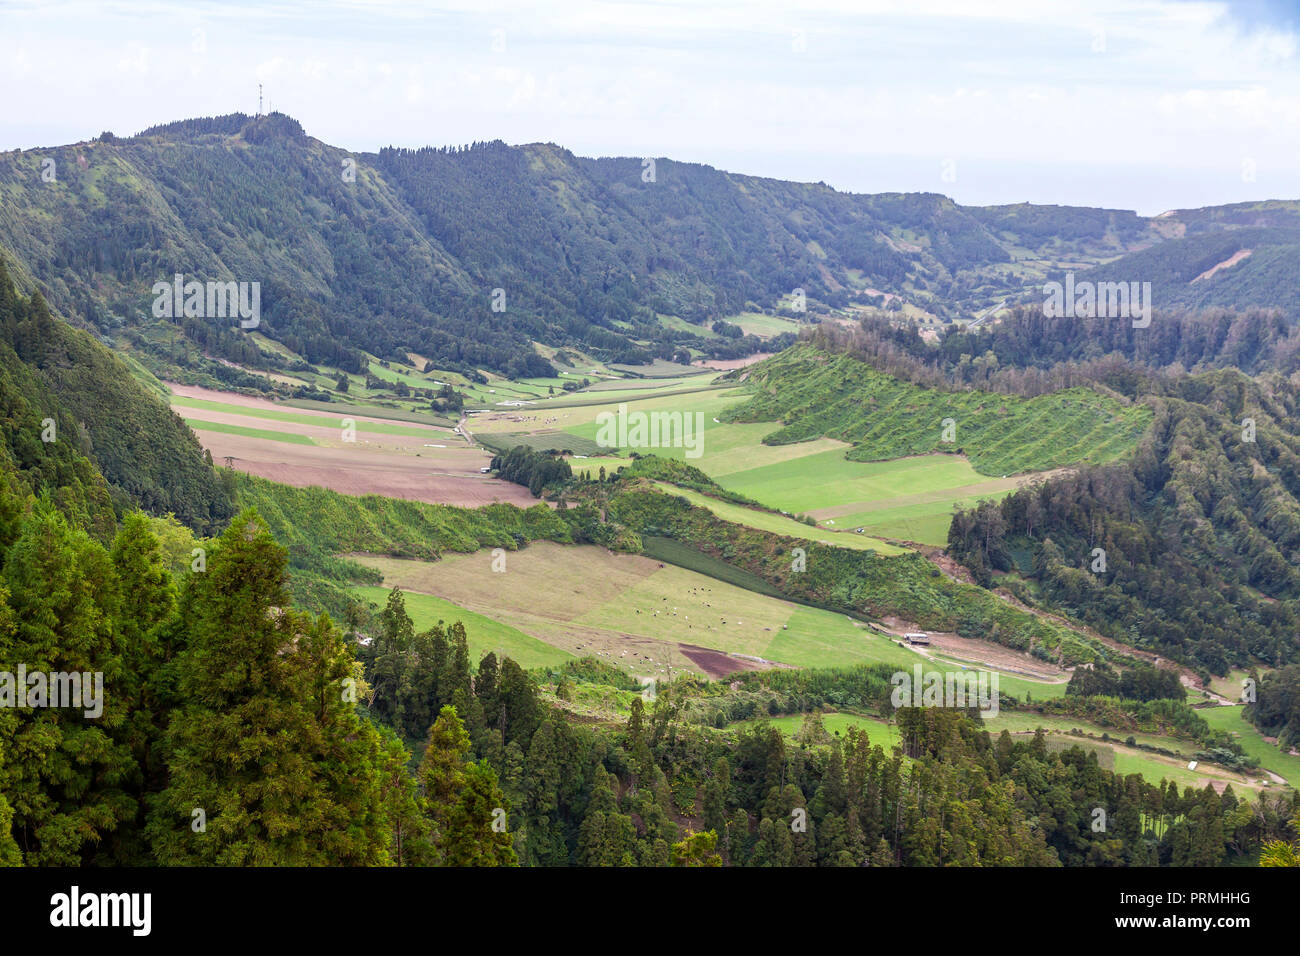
x: 103, y: 420
x: 818, y: 394
x: 1200, y: 532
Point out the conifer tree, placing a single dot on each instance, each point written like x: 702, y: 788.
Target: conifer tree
x: 67, y: 776
x: 270, y: 764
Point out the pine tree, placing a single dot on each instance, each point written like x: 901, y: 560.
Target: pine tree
x: 409, y: 844
x: 270, y: 764
x: 698, y: 849
x: 145, y: 626
x: 68, y: 777
x: 477, y: 833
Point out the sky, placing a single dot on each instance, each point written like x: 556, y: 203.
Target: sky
x: 1144, y: 104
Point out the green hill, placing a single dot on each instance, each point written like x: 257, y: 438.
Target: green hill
x: 819, y: 394
x: 1200, y: 528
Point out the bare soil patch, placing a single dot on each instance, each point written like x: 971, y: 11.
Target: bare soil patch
x: 725, y: 364
x: 371, y: 472
x: 978, y: 651
x: 717, y: 664
x: 1227, y: 263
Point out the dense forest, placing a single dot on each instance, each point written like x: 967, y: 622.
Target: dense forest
x: 1187, y: 548
x: 110, y: 444
x: 1179, y: 532
x: 237, y: 730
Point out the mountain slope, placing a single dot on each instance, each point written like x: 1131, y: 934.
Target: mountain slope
x: 403, y: 250
x: 111, y: 443
x: 1199, y: 531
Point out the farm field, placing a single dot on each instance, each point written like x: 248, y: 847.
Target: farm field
x: 304, y: 447
x: 906, y: 499
x: 483, y: 634
x: 640, y: 613
x: 763, y: 325
x: 188, y: 407
x: 1270, y: 756
x: 780, y: 524
x: 909, y: 499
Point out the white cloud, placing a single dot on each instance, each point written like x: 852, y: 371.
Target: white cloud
x: 1013, y: 91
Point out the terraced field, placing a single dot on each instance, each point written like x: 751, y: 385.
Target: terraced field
x: 813, y: 394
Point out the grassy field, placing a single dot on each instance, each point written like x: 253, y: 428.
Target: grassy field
x: 908, y: 499
x: 780, y: 524
x: 635, y: 611
x: 1021, y: 688
x: 484, y: 634
x: 538, y: 441
x: 1113, y: 755
x: 291, y: 438
x: 763, y: 325
x: 195, y: 406
x: 1270, y: 757
x: 879, y: 732
x: 1229, y: 685
x: 372, y: 411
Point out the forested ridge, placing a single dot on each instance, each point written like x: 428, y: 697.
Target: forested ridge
x: 403, y: 249
x: 1189, y: 483
x: 76, y: 422
x: 1199, y: 528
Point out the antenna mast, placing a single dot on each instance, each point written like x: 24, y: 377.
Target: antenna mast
x: 259, y: 99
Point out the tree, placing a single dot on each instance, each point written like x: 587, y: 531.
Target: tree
x: 698, y: 849
x: 477, y: 833
x: 1280, y: 852
x: 270, y: 764
x: 66, y: 774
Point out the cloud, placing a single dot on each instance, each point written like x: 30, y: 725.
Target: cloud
x: 845, y: 91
